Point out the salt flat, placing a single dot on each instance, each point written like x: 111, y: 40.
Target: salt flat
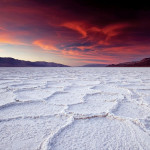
x: 74, y: 108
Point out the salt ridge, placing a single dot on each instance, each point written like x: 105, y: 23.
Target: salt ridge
x: 62, y: 105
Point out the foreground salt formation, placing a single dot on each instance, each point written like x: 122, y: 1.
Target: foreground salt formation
x: 74, y: 108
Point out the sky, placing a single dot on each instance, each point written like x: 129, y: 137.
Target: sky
x: 75, y: 32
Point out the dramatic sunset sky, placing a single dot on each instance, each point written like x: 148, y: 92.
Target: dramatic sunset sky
x: 74, y: 32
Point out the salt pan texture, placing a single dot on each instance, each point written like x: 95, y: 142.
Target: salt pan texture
x: 74, y: 108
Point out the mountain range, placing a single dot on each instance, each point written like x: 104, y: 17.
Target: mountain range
x: 142, y: 63
x: 94, y: 65
x: 11, y: 62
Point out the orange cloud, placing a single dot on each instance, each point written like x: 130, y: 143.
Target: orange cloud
x: 70, y: 52
x: 94, y: 55
x: 8, y: 39
x: 44, y: 46
x: 76, y: 26
x: 49, y: 46
x: 12, y: 37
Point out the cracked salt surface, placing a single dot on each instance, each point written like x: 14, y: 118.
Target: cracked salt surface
x: 74, y: 108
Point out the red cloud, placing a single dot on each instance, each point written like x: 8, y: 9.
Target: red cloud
x: 48, y: 46
x: 54, y: 30
x: 110, y: 31
x: 128, y: 50
x: 104, y: 55
x: 77, y: 26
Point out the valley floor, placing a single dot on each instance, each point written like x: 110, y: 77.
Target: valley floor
x: 74, y: 108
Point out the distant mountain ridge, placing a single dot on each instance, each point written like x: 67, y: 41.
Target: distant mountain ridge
x: 11, y: 62
x: 94, y: 65
x: 142, y: 63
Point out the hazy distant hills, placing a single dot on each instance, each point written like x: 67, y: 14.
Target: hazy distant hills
x: 142, y: 63
x: 94, y: 65
x: 11, y: 62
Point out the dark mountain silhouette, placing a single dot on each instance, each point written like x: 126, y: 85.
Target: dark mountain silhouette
x: 142, y: 63
x: 94, y: 65
x: 11, y: 62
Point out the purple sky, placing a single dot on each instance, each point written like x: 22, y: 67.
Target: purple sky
x: 74, y: 32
